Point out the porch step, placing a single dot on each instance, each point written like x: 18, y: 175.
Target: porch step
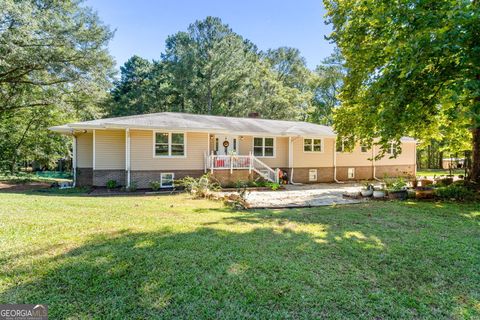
x: 234, y: 162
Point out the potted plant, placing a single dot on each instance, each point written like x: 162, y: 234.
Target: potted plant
x: 425, y: 182
x: 397, y: 189
x: 379, y: 193
x: 424, y: 192
x: 367, y: 190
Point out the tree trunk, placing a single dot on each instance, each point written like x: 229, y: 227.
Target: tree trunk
x: 475, y: 172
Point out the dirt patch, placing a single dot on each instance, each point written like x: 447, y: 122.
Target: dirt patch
x: 19, y: 187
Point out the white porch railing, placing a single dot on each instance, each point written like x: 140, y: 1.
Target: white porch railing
x: 234, y: 162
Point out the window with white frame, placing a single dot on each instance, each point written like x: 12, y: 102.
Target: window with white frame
x: 312, y: 175
x: 263, y: 147
x: 312, y: 145
x: 169, y: 144
x: 351, y: 173
x: 166, y: 179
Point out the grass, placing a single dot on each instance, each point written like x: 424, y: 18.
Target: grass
x: 41, y: 176
x: 438, y: 172
x: 173, y: 257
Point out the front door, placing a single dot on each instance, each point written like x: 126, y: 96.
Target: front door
x: 226, y: 144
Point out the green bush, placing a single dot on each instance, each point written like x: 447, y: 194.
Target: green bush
x: 395, y: 185
x: 455, y: 192
x: 111, y: 184
x: 133, y: 187
x: 273, y: 185
x: 242, y: 184
x: 155, y: 185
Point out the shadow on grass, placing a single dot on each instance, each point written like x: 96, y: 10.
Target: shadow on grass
x: 265, y: 272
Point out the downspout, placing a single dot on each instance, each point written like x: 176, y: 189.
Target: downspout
x: 373, y: 163
x: 74, y: 160
x: 415, y: 162
x: 290, y: 161
x: 335, y: 161
x: 127, y: 155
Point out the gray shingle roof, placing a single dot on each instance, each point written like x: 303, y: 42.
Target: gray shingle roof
x: 207, y: 123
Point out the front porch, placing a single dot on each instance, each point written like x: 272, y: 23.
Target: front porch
x: 249, y: 162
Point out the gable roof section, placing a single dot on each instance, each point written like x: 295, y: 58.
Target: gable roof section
x: 203, y: 123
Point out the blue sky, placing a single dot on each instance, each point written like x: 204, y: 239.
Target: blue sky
x: 142, y: 26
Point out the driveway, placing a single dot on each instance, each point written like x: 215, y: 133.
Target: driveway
x: 305, y: 196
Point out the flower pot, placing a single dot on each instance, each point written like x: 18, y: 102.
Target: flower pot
x: 366, y: 192
x: 426, y: 182
x: 446, y: 181
x: 424, y: 193
x: 397, y: 195
x: 378, y: 194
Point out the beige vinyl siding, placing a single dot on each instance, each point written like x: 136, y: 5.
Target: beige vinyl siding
x: 303, y: 159
x: 109, y: 149
x: 85, y: 150
x: 355, y: 158
x: 141, y: 148
x: 281, y: 151
x: 407, y: 156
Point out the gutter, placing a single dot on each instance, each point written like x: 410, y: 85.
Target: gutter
x: 290, y: 161
x: 335, y: 162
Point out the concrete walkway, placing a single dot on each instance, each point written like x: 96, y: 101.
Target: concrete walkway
x: 304, y: 196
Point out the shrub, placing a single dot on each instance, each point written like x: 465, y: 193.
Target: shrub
x: 132, y: 187
x: 242, y: 184
x: 202, y: 187
x: 111, y: 184
x: 455, y: 192
x: 154, y: 185
x: 273, y: 185
x: 395, y: 185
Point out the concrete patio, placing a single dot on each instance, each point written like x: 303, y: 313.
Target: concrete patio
x: 312, y: 195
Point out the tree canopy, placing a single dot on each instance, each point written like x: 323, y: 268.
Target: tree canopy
x: 54, y: 66
x: 210, y: 69
x: 413, y: 68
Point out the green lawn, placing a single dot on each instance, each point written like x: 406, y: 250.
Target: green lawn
x: 173, y: 257
x: 438, y: 172
x: 40, y: 176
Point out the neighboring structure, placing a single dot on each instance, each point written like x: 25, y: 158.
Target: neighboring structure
x: 453, y: 163
x: 167, y: 146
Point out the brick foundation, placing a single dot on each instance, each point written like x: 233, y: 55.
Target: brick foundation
x: 100, y: 177
x: 84, y: 177
x: 301, y: 175
x: 143, y: 178
x: 395, y: 171
x: 361, y: 173
x: 225, y: 178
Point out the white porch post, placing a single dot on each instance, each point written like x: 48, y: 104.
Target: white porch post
x: 231, y: 164
x: 250, y: 162
x: 211, y: 164
x: 74, y: 161
x: 127, y: 155
x: 93, y: 163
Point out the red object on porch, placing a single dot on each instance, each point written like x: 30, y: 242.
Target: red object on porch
x: 220, y: 163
